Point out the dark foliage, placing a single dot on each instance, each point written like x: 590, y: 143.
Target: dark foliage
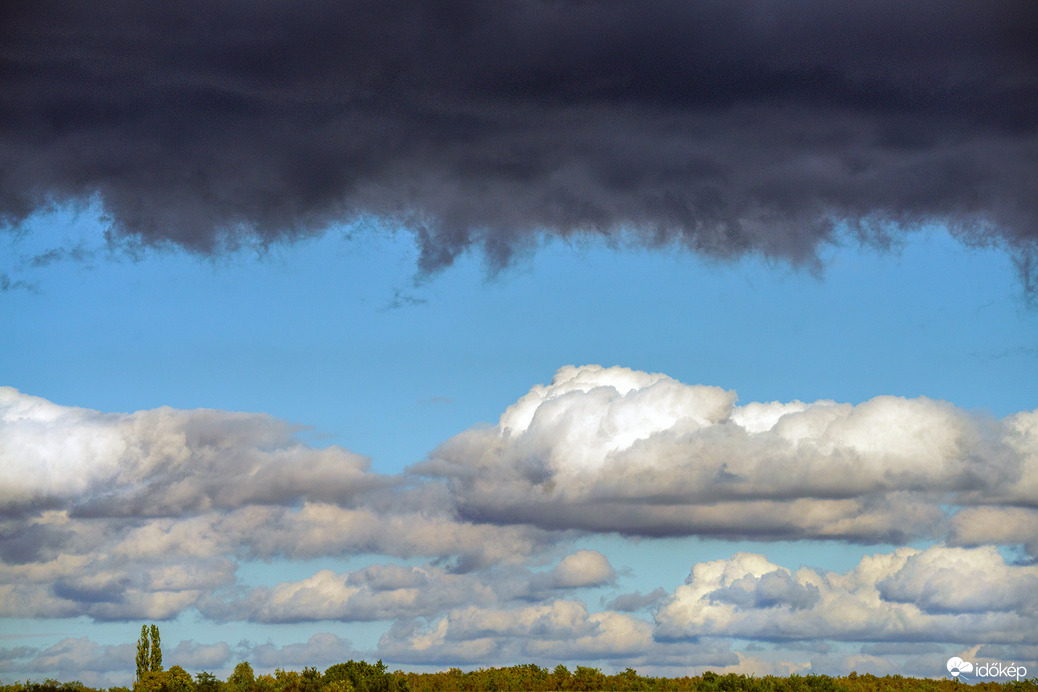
x: 360, y: 676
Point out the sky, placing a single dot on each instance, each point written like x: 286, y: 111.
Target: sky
x: 671, y: 336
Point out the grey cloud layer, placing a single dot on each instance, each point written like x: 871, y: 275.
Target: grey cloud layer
x: 905, y: 611
x: 942, y: 597
x: 145, y: 515
x: 610, y: 449
x: 729, y: 127
x: 390, y: 592
x: 148, y: 515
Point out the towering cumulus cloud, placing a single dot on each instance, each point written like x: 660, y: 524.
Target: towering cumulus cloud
x: 610, y: 449
x: 728, y: 126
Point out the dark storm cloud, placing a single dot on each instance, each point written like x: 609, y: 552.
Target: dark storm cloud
x: 728, y: 127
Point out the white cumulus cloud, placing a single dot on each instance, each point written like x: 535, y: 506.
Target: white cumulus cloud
x: 611, y: 449
x: 163, y: 461
x: 941, y: 594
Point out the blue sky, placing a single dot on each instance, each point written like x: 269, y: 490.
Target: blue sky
x: 305, y: 331
x: 674, y: 336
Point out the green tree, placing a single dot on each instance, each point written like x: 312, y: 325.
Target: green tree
x: 143, y: 655
x: 310, y: 680
x: 152, y: 681
x: 363, y: 676
x: 629, y: 680
x: 286, y: 680
x: 586, y: 679
x: 207, y: 682
x: 560, y: 677
x: 179, y: 680
x: 338, y: 686
x: 265, y: 683
x: 242, y: 679
x: 155, y: 664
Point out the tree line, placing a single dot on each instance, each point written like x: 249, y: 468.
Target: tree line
x: 360, y: 676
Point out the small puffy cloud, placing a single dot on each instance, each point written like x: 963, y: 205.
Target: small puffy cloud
x: 614, y: 635
x: 584, y: 569
x: 554, y: 620
x: 581, y: 569
x: 194, y: 656
x: 9, y: 654
x: 388, y: 592
x: 379, y: 592
x: 611, y: 449
x: 80, y: 653
x: 558, y: 630
x: 940, y: 594
x: 321, y: 650
x: 758, y: 667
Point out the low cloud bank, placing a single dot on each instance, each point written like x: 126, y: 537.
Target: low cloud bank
x: 615, y: 450
x: 902, y: 612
